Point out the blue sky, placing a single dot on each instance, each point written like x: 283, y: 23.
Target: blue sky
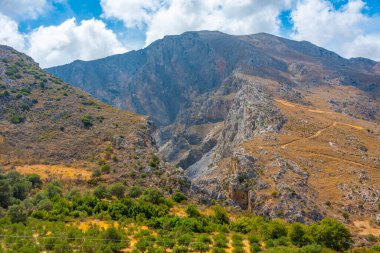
x: 56, y: 32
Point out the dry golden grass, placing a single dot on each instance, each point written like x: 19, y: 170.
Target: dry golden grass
x: 85, y: 225
x: 365, y: 228
x: 332, y: 147
x: 55, y: 171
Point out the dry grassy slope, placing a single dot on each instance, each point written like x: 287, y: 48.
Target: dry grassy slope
x: 43, y: 128
x: 340, y: 153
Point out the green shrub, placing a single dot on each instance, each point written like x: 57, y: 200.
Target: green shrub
x: 153, y: 196
x: 96, y: 173
x: 87, y: 121
x: 184, y: 239
x: 276, y: 229
x: 192, y: 211
x: 101, y: 192
x: 17, y: 119
x: 105, y: 169
x: 201, y: 247
x: 220, y: 241
x: 117, y: 190
x: 205, y: 239
x: 154, y: 162
x: 134, y: 192
x: 179, y: 197
x: 332, y: 234
x: 180, y: 249
x: 34, y: 179
x: 297, y: 234
x: 220, y: 215
x: 238, y: 250
x: 311, y: 249
x: 254, y: 248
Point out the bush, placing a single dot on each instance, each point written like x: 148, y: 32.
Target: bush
x: 53, y: 189
x: 185, y: 239
x: 101, y: 192
x: 105, y: 169
x: 237, y: 240
x: 154, y: 162
x: 153, y: 196
x: 34, y: 179
x: 192, y: 211
x: 45, y: 204
x: 201, y: 247
x: 220, y: 241
x: 87, y: 121
x: 179, y: 197
x: 96, y: 173
x: 276, y: 229
x: 17, y: 119
x: 297, y: 234
x: 311, y: 249
x: 180, y: 249
x: 134, y: 192
x: 238, y: 250
x: 254, y: 247
x: 220, y: 215
x: 332, y: 234
x: 18, y: 213
x: 205, y: 239
x: 117, y: 190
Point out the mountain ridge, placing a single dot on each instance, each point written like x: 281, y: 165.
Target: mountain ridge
x: 226, y: 108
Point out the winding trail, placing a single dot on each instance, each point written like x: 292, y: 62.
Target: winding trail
x: 340, y: 159
x: 318, y: 133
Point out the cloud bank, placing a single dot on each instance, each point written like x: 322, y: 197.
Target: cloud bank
x: 347, y: 30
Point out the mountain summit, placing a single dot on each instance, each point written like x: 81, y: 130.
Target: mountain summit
x: 280, y: 127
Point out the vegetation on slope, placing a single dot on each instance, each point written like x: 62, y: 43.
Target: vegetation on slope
x: 40, y: 216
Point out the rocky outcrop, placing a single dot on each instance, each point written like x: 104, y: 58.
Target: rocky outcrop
x: 251, y: 113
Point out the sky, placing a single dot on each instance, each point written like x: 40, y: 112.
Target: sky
x: 56, y: 32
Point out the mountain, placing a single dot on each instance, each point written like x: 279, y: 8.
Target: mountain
x: 282, y: 128
x: 58, y: 131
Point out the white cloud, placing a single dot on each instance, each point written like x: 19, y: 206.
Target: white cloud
x: 9, y: 34
x: 164, y: 17
x: 54, y: 45
x: 367, y: 46
x: 339, y: 30
x: 134, y: 13
x: 23, y: 9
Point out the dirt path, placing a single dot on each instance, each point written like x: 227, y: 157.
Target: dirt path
x: 340, y: 159
x: 318, y: 133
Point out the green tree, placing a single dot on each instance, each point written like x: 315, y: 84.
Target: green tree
x: 153, y: 196
x: 34, y: 179
x: 179, y: 197
x: 5, y: 193
x: 101, y: 192
x: 220, y: 215
x: 18, y: 213
x: 117, y: 190
x: 276, y: 229
x: 332, y: 234
x: 53, y: 189
x: 192, y: 211
x: 134, y: 192
x: 298, y: 234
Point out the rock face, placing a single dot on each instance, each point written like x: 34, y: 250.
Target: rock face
x: 254, y: 120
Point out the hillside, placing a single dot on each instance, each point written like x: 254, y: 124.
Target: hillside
x: 282, y: 128
x: 58, y: 131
